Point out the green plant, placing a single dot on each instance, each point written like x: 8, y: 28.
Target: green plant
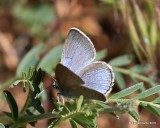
x: 74, y: 110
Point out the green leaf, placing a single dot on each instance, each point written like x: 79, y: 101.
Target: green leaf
x: 54, y: 123
x: 148, y: 92
x: 36, y: 79
x: 1, y: 125
x: 101, y: 54
x: 29, y: 113
x: 84, y: 121
x: 58, y: 105
x: 141, y: 68
x: 134, y: 114
x: 120, y: 80
x: 40, y: 109
x: 79, y: 103
x: 73, y: 123
x: 12, y: 104
x: 36, y: 18
x: 157, y: 100
x: 121, y: 60
x: 30, y: 59
x: 30, y: 72
x: 65, y: 110
x: 24, y: 86
x: 50, y: 60
x: 36, y: 103
x: 141, y: 23
x: 15, y: 83
x: 135, y: 38
x: 105, y: 107
x: 153, y: 33
x: 155, y: 110
x: 8, y: 114
x: 71, y: 105
x: 150, y: 8
x: 127, y: 91
x: 31, y: 86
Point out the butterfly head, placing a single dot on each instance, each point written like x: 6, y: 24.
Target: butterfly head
x: 55, y: 85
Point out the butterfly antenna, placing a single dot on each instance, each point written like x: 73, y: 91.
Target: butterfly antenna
x: 39, y: 94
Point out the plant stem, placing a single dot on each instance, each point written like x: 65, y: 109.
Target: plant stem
x: 67, y: 117
x: 26, y: 103
x: 72, y: 115
x: 112, y: 100
x: 40, y: 117
x: 26, y: 119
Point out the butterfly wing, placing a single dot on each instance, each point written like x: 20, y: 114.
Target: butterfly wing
x: 64, y: 76
x: 79, y: 90
x: 98, y: 76
x: 71, y: 85
x: 78, y: 51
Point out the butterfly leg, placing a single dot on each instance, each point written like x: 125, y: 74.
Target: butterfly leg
x: 60, y: 98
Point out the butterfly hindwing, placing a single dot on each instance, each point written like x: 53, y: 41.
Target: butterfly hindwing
x: 71, y: 85
x: 98, y: 76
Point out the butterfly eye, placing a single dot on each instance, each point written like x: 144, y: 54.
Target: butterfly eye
x: 55, y: 85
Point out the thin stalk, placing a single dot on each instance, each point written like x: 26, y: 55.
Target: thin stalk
x: 26, y: 119
x: 39, y: 117
x: 26, y: 103
x: 72, y: 115
x: 114, y: 100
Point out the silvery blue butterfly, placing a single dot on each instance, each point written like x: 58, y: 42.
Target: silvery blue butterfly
x: 77, y: 73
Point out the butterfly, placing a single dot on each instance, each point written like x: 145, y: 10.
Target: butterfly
x: 77, y: 73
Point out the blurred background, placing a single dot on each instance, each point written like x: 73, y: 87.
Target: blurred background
x: 125, y: 33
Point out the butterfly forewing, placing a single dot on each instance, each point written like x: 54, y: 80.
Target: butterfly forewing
x: 78, y: 51
x: 71, y: 85
x: 98, y: 76
x: 64, y: 76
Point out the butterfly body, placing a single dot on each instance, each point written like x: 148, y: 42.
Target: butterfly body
x: 78, y: 74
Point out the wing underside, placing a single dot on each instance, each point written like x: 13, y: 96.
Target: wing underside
x: 98, y: 76
x: 71, y: 85
x: 78, y: 51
